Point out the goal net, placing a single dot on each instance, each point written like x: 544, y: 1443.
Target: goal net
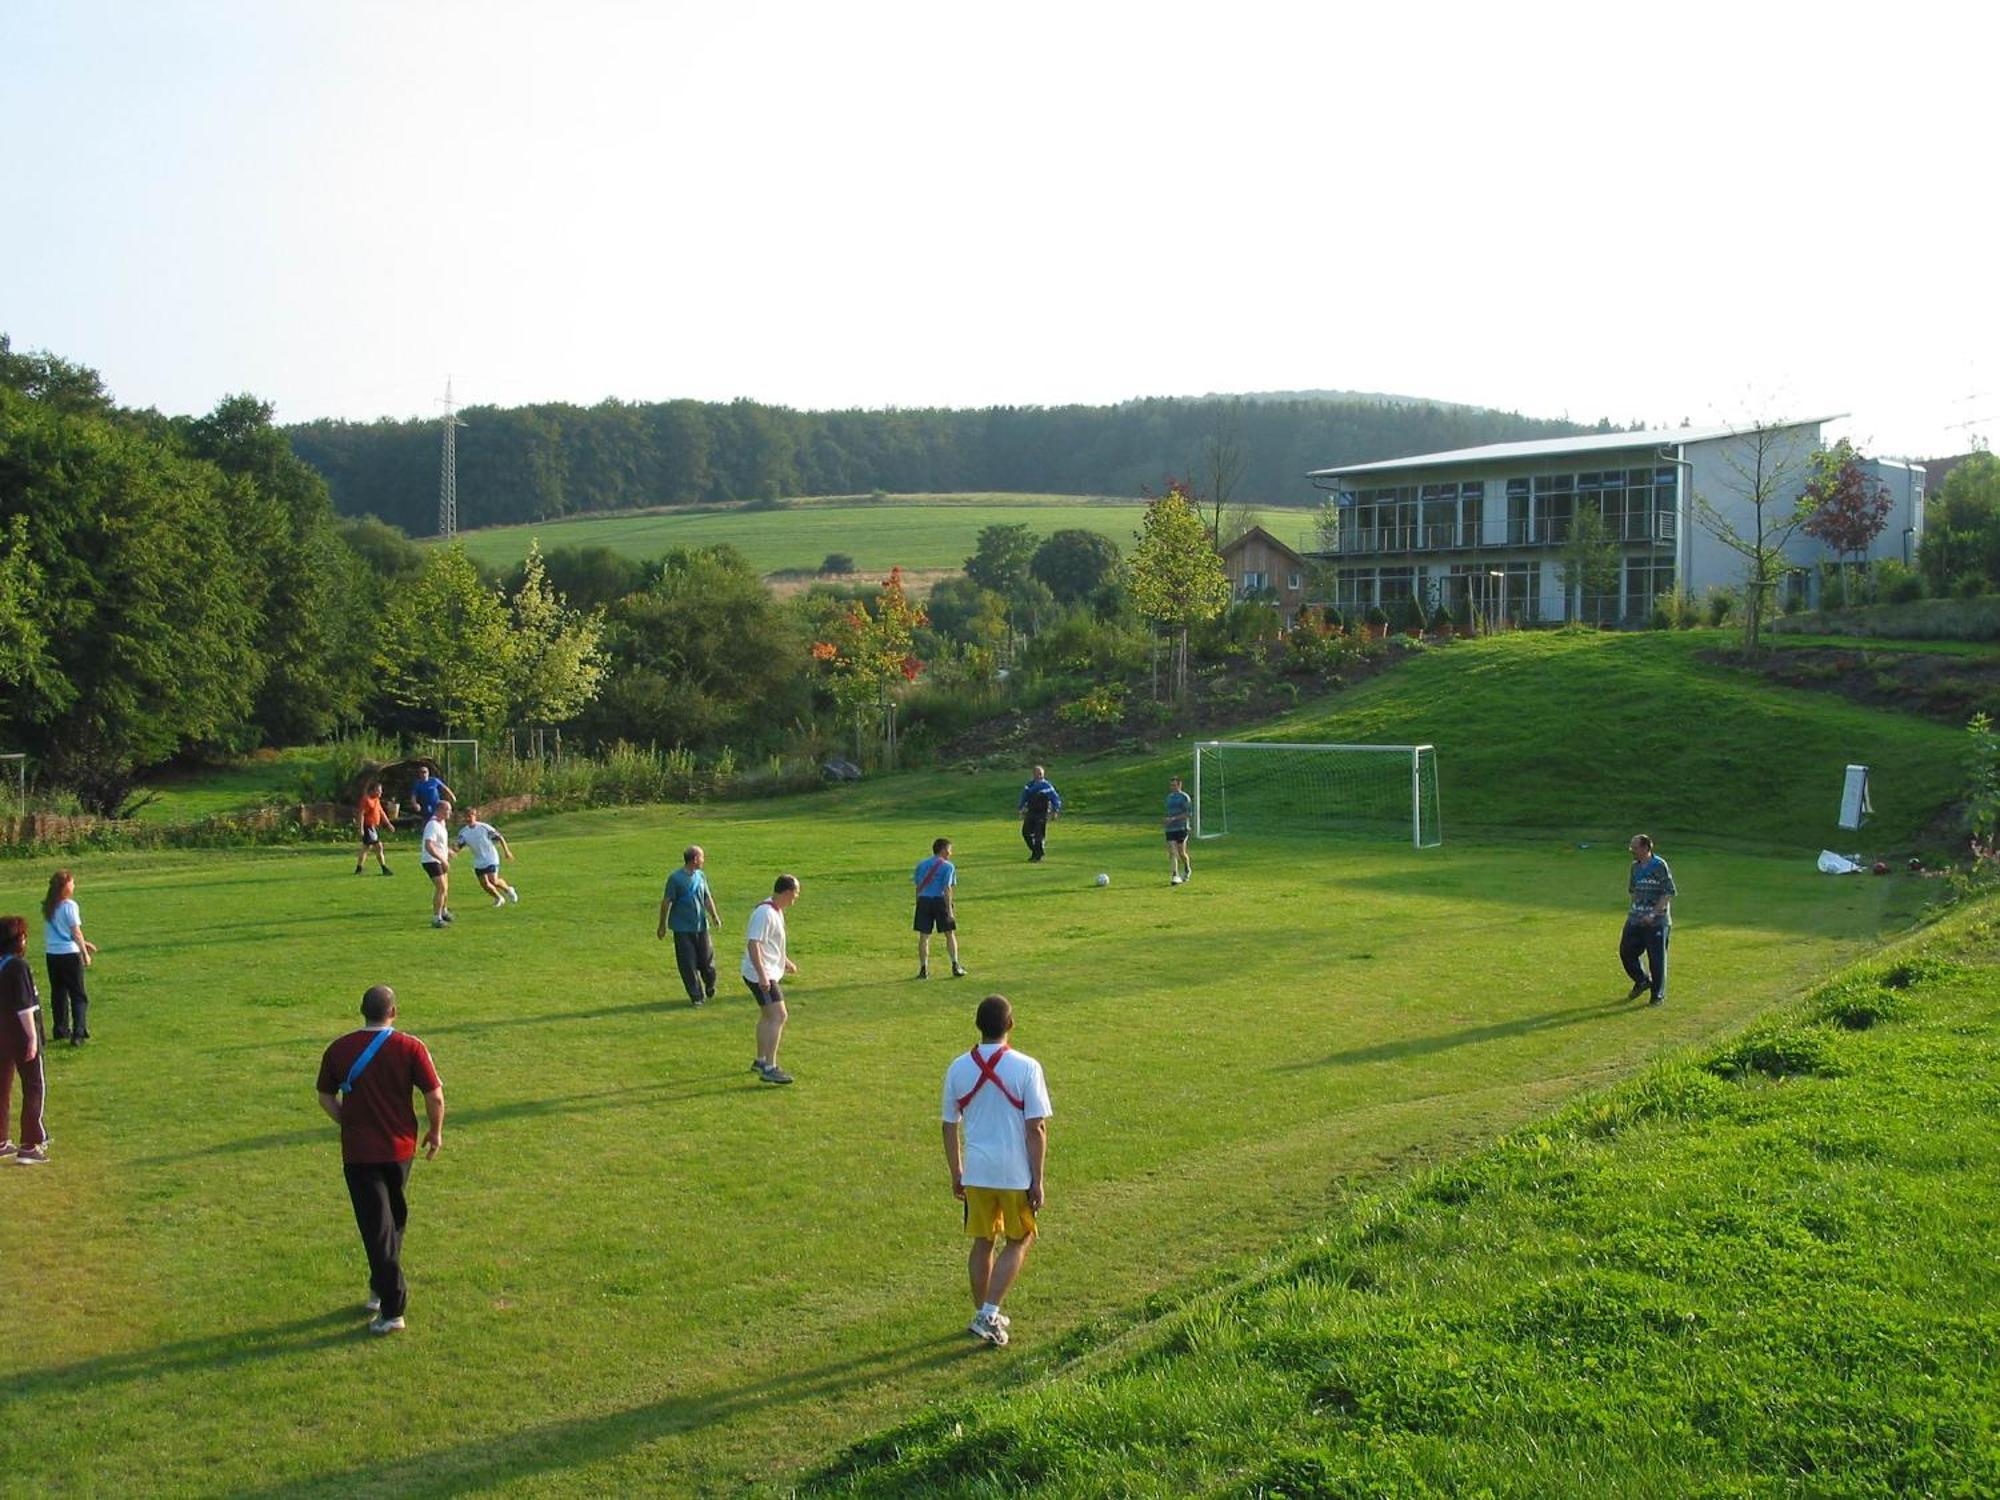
x: 1386, y: 791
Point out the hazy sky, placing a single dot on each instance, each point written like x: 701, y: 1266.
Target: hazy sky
x: 1640, y: 212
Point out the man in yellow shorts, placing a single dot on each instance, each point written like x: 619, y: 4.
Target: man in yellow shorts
x: 1000, y: 1101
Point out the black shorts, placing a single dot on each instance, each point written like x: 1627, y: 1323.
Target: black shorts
x: 1177, y: 835
x: 934, y: 915
x: 433, y: 869
x: 484, y: 870
x: 768, y: 994
x: 371, y: 836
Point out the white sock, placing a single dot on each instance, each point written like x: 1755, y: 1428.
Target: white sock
x: 988, y: 1309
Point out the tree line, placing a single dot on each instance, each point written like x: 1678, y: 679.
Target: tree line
x: 534, y: 463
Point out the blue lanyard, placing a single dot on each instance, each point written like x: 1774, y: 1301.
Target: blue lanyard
x: 367, y: 1056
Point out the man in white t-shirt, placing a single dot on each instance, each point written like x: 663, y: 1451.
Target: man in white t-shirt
x: 482, y: 839
x: 765, y: 966
x: 436, y: 851
x: 998, y: 1098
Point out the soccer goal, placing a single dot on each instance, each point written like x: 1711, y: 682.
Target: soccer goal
x: 1243, y: 786
x: 451, y: 758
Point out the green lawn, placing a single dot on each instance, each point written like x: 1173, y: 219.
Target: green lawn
x: 255, y: 781
x: 636, y: 1269
x: 1763, y: 1269
x: 907, y: 531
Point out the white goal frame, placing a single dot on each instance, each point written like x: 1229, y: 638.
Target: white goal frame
x: 446, y: 745
x: 1415, y: 753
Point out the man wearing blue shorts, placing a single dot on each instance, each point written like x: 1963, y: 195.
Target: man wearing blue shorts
x: 1179, y: 806
x: 936, y: 880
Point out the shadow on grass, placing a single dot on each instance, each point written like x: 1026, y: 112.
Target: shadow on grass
x: 482, y: 1464
x: 220, y: 1351
x: 463, y: 1119
x: 467, y: 1028
x: 1469, y: 1036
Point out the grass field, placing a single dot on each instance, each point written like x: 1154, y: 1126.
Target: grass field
x: 1760, y: 1269
x: 633, y: 1267
x: 906, y: 531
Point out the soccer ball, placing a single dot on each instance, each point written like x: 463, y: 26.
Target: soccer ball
x: 1104, y: 880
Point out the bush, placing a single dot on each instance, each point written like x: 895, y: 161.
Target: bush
x: 1377, y: 616
x: 1081, y: 643
x: 836, y: 562
x: 1896, y: 583
x: 1104, y: 704
x: 1717, y: 605
x: 1968, y: 586
x: 1674, y: 609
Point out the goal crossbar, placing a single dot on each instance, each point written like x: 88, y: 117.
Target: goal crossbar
x: 1422, y: 811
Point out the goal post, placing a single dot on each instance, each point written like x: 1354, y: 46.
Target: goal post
x: 1257, y: 786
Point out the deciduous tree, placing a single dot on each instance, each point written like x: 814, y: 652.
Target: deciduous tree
x: 1177, y: 576
x: 1847, y: 506
x: 445, y: 646
x: 555, y: 654
x: 1767, y: 465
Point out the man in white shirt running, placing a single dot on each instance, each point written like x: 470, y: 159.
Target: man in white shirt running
x: 1000, y: 1100
x: 436, y: 850
x: 765, y: 966
x: 482, y: 839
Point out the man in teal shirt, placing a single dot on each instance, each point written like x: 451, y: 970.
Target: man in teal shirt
x: 688, y: 911
x: 1648, y: 920
x: 1179, y: 806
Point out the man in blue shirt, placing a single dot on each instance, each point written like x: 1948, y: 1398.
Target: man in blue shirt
x: 1648, y: 920
x: 688, y: 911
x: 1179, y: 806
x: 936, y: 880
x: 427, y: 791
x: 1040, y: 801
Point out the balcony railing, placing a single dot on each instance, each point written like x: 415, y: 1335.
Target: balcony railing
x: 1543, y: 531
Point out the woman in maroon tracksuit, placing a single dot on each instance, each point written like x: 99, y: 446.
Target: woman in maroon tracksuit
x: 20, y: 1046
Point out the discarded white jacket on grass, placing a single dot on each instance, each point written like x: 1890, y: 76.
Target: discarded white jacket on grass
x: 1839, y: 864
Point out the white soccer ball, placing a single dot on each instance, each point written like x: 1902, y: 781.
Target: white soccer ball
x: 1104, y: 880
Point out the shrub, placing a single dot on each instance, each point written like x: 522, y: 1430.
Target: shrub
x: 1377, y: 616
x: 837, y: 562
x: 1674, y: 610
x: 1717, y: 605
x: 1103, y: 704
x: 1968, y: 586
x: 1897, y: 584
x: 1082, y: 643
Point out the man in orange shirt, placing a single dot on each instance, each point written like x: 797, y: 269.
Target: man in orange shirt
x: 374, y: 827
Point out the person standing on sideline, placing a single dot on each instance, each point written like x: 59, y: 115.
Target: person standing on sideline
x: 365, y: 1081
x: 687, y: 910
x: 427, y: 791
x: 481, y: 839
x: 20, y: 1046
x: 1179, y: 806
x: 997, y: 1098
x: 67, y: 954
x: 765, y: 966
x: 374, y: 826
x: 1648, y: 920
x: 1040, y: 801
x: 437, y: 862
x: 936, y: 879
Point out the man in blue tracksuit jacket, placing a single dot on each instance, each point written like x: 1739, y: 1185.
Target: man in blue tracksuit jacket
x: 1040, y: 801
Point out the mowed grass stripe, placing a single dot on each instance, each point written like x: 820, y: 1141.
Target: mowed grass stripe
x: 633, y: 1266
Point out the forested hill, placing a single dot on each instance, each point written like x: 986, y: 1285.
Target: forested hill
x: 535, y: 462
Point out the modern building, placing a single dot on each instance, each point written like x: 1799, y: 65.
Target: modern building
x: 1261, y: 566
x: 1487, y: 527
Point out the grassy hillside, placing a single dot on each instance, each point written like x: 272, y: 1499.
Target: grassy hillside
x: 907, y: 531
x: 1599, y: 734
x: 1762, y: 1269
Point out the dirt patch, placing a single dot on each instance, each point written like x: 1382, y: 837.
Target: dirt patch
x: 1950, y: 689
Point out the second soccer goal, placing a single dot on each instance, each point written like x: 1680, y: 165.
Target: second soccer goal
x: 1247, y: 786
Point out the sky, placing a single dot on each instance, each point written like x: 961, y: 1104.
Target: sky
x: 1645, y: 212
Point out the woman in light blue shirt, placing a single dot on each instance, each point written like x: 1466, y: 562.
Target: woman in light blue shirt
x: 68, y: 955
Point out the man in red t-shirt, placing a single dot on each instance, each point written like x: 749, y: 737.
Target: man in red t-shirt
x: 365, y: 1080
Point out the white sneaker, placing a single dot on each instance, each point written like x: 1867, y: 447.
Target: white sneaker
x: 437, y: 921
x: 1175, y: 881
x: 993, y: 1330
x: 514, y: 895
x: 381, y: 1324
x: 29, y: 1156
x: 499, y: 900
x: 373, y: 1304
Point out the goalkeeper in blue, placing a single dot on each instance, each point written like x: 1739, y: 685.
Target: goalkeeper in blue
x: 1040, y: 801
